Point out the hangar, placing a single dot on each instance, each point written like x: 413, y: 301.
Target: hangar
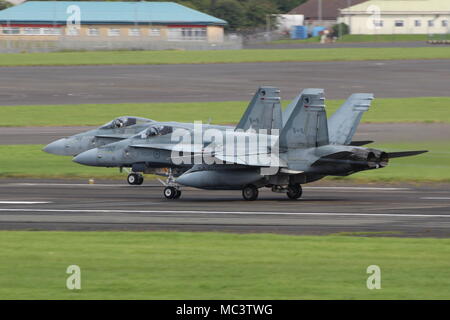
x: 158, y: 21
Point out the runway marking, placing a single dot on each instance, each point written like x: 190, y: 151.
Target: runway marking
x: 436, y: 198
x: 374, y: 215
x: 24, y: 202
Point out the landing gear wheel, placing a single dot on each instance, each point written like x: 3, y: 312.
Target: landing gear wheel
x: 294, y: 191
x: 250, y: 193
x: 135, y: 179
x: 171, y: 193
x: 177, y: 195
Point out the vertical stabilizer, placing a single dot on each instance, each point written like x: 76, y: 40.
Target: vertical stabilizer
x: 306, y: 126
x: 344, y: 122
x: 263, y: 112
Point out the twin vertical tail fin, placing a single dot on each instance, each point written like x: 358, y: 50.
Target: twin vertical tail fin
x: 343, y: 123
x: 305, y: 122
x: 263, y: 112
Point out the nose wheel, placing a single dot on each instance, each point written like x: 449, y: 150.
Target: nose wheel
x: 135, y: 179
x: 172, y: 193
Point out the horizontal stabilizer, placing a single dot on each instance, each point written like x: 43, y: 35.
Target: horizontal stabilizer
x: 405, y: 154
x: 360, y: 143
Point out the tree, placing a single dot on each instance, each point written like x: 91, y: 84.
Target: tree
x: 284, y: 6
x: 232, y: 12
x: 4, y: 5
x: 258, y: 10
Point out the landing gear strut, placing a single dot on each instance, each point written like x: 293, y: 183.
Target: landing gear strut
x: 294, y: 191
x: 172, y: 189
x: 135, y: 178
x: 250, y: 192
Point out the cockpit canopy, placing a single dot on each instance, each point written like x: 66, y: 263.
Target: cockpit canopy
x: 157, y: 130
x: 123, y: 122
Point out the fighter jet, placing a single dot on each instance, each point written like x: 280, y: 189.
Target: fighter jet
x: 306, y: 154
x: 262, y: 110
x: 150, y: 150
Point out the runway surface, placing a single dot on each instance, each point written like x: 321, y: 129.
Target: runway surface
x: 326, y: 208
x: 379, y: 132
x: 218, y: 82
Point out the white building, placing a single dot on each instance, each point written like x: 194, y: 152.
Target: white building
x: 398, y: 17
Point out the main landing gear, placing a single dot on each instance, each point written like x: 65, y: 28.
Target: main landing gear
x: 172, y: 193
x: 250, y: 192
x: 294, y: 191
x: 135, y: 179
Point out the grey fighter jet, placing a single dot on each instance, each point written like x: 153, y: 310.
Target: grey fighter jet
x: 306, y: 154
x: 150, y: 151
x: 263, y: 111
x: 115, y: 130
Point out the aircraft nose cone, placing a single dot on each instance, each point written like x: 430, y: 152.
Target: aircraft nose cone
x: 88, y: 158
x: 56, y: 147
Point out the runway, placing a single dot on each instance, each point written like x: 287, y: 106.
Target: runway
x: 218, y: 82
x: 325, y: 208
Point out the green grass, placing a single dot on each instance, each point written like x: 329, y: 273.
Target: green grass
x: 30, y: 161
x: 433, y: 166
x: 370, y: 38
x: 171, y: 265
x: 225, y: 56
x: 389, y: 37
x: 382, y: 110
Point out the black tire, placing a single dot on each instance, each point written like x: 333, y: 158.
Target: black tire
x: 177, y: 195
x: 250, y: 193
x: 294, y: 191
x: 133, y: 178
x: 170, y: 192
x: 140, y: 180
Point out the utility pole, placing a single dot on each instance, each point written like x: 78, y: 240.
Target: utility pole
x: 319, y: 13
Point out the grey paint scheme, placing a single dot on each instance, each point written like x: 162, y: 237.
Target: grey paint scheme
x: 263, y: 112
x: 305, y: 150
x: 257, y: 116
x: 76, y: 144
x: 343, y: 123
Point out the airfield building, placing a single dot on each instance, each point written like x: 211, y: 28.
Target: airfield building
x: 398, y: 17
x: 123, y: 21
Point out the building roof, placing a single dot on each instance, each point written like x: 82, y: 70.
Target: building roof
x: 330, y: 8
x: 402, y: 6
x: 97, y: 12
